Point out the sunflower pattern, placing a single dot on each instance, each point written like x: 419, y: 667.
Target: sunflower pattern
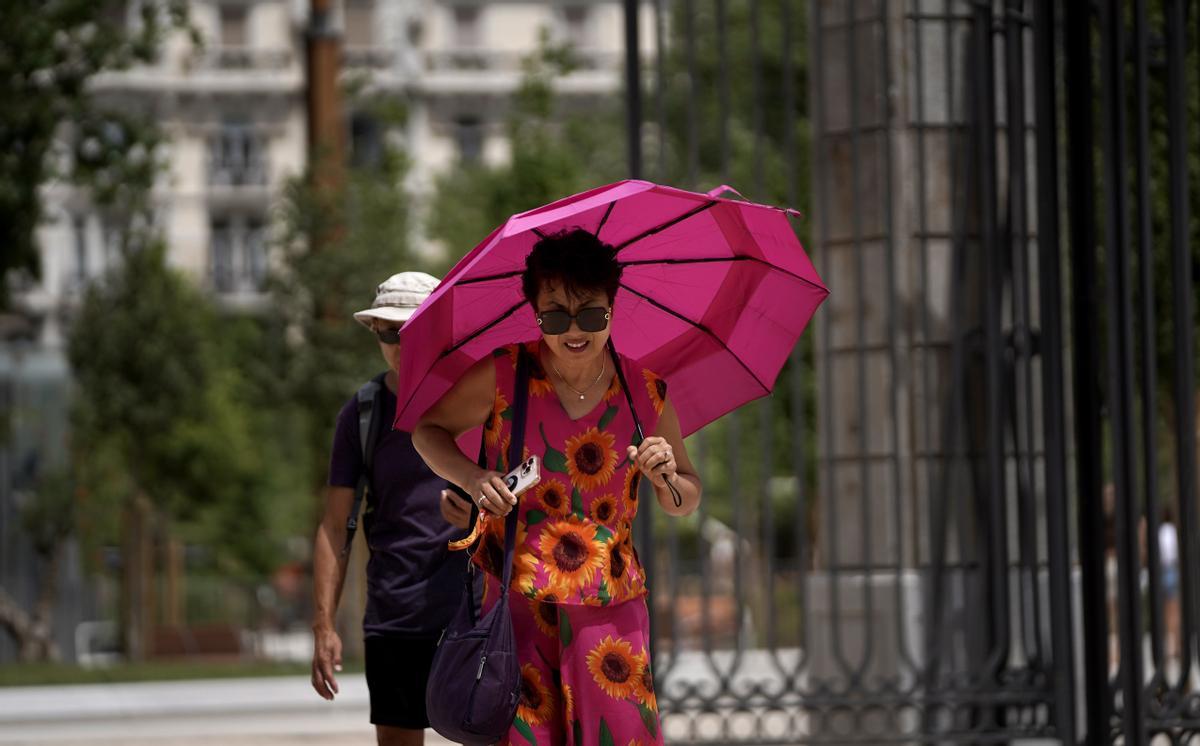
x: 604, y: 510
x: 629, y: 491
x: 540, y: 384
x: 587, y: 678
x: 643, y: 690
x: 568, y: 546
x: 536, y: 705
x: 615, y: 668
x: 553, y: 497
x: 495, y: 422
x: 619, y: 571
x: 544, y: 605
x: 591, y: 459
x: 570, y: 553
x: 657, y: 388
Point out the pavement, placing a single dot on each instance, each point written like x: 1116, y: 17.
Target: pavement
x: 230, y: 712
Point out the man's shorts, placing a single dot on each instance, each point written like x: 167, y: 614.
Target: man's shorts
x: 397, y: 671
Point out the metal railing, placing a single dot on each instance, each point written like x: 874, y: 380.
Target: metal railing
x: 885, y: 553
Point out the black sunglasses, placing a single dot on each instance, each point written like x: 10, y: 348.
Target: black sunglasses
x: 389, y: 335
x: 593, y: 319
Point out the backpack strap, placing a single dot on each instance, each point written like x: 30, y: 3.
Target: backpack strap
x: 369, y: 425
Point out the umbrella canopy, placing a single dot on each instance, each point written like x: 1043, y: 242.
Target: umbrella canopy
x: 714, y: 294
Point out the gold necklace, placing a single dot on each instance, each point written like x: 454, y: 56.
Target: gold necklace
x: 582, y: 394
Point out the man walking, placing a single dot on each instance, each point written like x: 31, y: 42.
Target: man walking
x: 413, y: 582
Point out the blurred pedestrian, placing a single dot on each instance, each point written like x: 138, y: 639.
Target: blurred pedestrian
x: 1168, y: 557
x: 413, y: 581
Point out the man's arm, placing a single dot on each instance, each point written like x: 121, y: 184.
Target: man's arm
x: 329, y: 574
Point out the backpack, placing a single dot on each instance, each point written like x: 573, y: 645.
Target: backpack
x: 369, y: 425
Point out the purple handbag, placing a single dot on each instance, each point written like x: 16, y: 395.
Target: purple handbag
x: 475, y: 680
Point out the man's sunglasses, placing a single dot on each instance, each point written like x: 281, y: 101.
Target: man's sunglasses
x: 593, y: 319
x: 389, y: 335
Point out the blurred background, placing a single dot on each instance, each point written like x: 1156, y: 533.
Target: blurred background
x: 966, y: 515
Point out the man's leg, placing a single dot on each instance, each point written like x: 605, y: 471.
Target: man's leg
x: 397, y: 671
x: 386, y: 735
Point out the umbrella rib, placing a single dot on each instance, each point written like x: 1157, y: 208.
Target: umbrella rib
x: 489, y: 278
x: 604, y: 219
x: 660, y: 228
x: 644, y: 262
x: 538, y: 232
x: 703, y: 328
x: 710, y: 260
x: 480, y: 330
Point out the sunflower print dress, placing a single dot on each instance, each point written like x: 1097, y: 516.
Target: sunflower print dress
x: 578, y: 594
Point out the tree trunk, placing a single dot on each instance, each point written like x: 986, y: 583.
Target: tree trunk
x: 136, y: 579
x: 34, y: 632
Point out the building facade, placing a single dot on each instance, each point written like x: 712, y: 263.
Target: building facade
x: 233, y: 111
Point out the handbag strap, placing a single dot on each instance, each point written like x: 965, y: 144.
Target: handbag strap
x: 638, y: 434
x: 516, y: 449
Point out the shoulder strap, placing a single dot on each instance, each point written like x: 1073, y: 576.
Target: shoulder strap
x: 638, y: 434
x: 369, y: 423
x: 515, y: 449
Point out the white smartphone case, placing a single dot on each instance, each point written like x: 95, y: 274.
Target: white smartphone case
x: 526, y: 475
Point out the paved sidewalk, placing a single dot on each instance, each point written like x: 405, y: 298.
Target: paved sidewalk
x: 226, y: 712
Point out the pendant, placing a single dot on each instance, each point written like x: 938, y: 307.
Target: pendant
x: 581, y: 397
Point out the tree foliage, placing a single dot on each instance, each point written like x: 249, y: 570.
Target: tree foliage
x: 337, y: 246
x: 51, y: 128
x: 160, y: 411
x: 556, y: 150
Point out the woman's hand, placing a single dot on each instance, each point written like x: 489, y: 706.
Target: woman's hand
x: 490, y: 493
x: 655, y: 459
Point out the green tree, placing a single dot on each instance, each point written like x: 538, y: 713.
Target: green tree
x: 52, y: 50
x: 556, y: 151
x: 47, y: 514
x: 337, y: 246
x: 158, y: 398
x: 161, y: 428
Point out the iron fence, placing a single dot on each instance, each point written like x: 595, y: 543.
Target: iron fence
x: 887, y: 552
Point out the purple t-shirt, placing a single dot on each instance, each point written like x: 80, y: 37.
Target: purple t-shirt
x: 414, y: 583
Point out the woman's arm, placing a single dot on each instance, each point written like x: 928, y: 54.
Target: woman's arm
x: 464, y: 407
x: 663, y: 457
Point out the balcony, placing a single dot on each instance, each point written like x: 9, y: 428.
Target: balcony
x: 496, y: 60
x: 246, y: 59
x: 368, y: 58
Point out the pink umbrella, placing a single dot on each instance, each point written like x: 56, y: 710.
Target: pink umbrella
x: 715, y: 292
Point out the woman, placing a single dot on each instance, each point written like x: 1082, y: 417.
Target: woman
x: 578, y: 595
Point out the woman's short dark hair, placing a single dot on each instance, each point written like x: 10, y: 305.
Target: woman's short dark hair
x: 575, y: 259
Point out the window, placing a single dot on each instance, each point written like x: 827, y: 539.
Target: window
x: 360, y: 23
x: 575, y: 22
x: 366, y: 141
x: 468, y: 134
x: 238, y: 253
x: 254, y: 256
x: 466, y: 27
x: 114, y: 242
x: 222, y: 257
x: 233, y: 26
x: 237, y: 157
x: 79, y: 224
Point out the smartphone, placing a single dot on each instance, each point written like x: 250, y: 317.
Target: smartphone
x: 526, y: 475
